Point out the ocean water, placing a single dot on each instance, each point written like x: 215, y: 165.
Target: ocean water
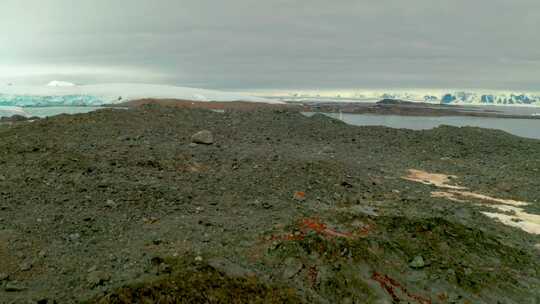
x: 529, y: 128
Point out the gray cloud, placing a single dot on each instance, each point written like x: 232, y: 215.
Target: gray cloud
x: 247, y: 44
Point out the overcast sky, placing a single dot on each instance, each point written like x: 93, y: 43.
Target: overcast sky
x: 264, y: 44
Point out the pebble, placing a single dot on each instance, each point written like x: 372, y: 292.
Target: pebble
x: 165, y: 268
x: 110, y: 204
x: 75, y: 236
x: 418, y: 262
x: 92, y: 269
x: 26, y: 266
x: 14, y: 287
x: 203, y: 137
x: 198, y: 258
x: 328, y: 150
x: 96, y: 278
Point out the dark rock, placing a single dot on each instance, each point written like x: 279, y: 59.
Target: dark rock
x: 14, y: 118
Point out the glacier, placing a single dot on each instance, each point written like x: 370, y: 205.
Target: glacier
x: 58, y: 93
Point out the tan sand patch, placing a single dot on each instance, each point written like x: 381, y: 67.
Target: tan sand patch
x: 438, y: 180
x: 511, y: 214
x: 489, y: 198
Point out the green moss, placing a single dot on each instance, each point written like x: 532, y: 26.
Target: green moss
x: 190, y: 282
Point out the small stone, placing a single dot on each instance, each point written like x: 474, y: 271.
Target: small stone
x: 74, y: 236
x: 110, y: 204
x: 198, y: 258
x: 25, y: 266
x: 328, y: 150
x: 92, y: 269
x: 14, y: 287
x: 165, y: 268
x: 292, y: 267
x: 417, y: 262
x: 3, y: 276
x: 96, y: 278
x: 203, y: 137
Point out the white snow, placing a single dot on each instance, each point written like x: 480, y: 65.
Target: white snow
x: 56, y: 83
x: 121, y: 92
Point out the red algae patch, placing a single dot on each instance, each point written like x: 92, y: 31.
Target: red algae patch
x: 396, y: 290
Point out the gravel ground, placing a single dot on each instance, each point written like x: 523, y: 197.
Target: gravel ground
x: 117, y: 205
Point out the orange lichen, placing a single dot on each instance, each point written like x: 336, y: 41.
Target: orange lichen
x: 299, y: 195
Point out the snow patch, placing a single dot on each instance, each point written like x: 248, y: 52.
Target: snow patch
x: 56, y: 83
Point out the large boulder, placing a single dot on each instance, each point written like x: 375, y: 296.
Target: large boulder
x: 203, y: 137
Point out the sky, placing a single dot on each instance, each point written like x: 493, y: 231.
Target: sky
x: 274, y: 44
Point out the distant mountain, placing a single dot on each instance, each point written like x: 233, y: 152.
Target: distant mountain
x: 436, y: 97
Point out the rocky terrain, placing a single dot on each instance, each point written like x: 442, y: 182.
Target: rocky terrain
x: 407, y: 108
x: 157, y: 204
